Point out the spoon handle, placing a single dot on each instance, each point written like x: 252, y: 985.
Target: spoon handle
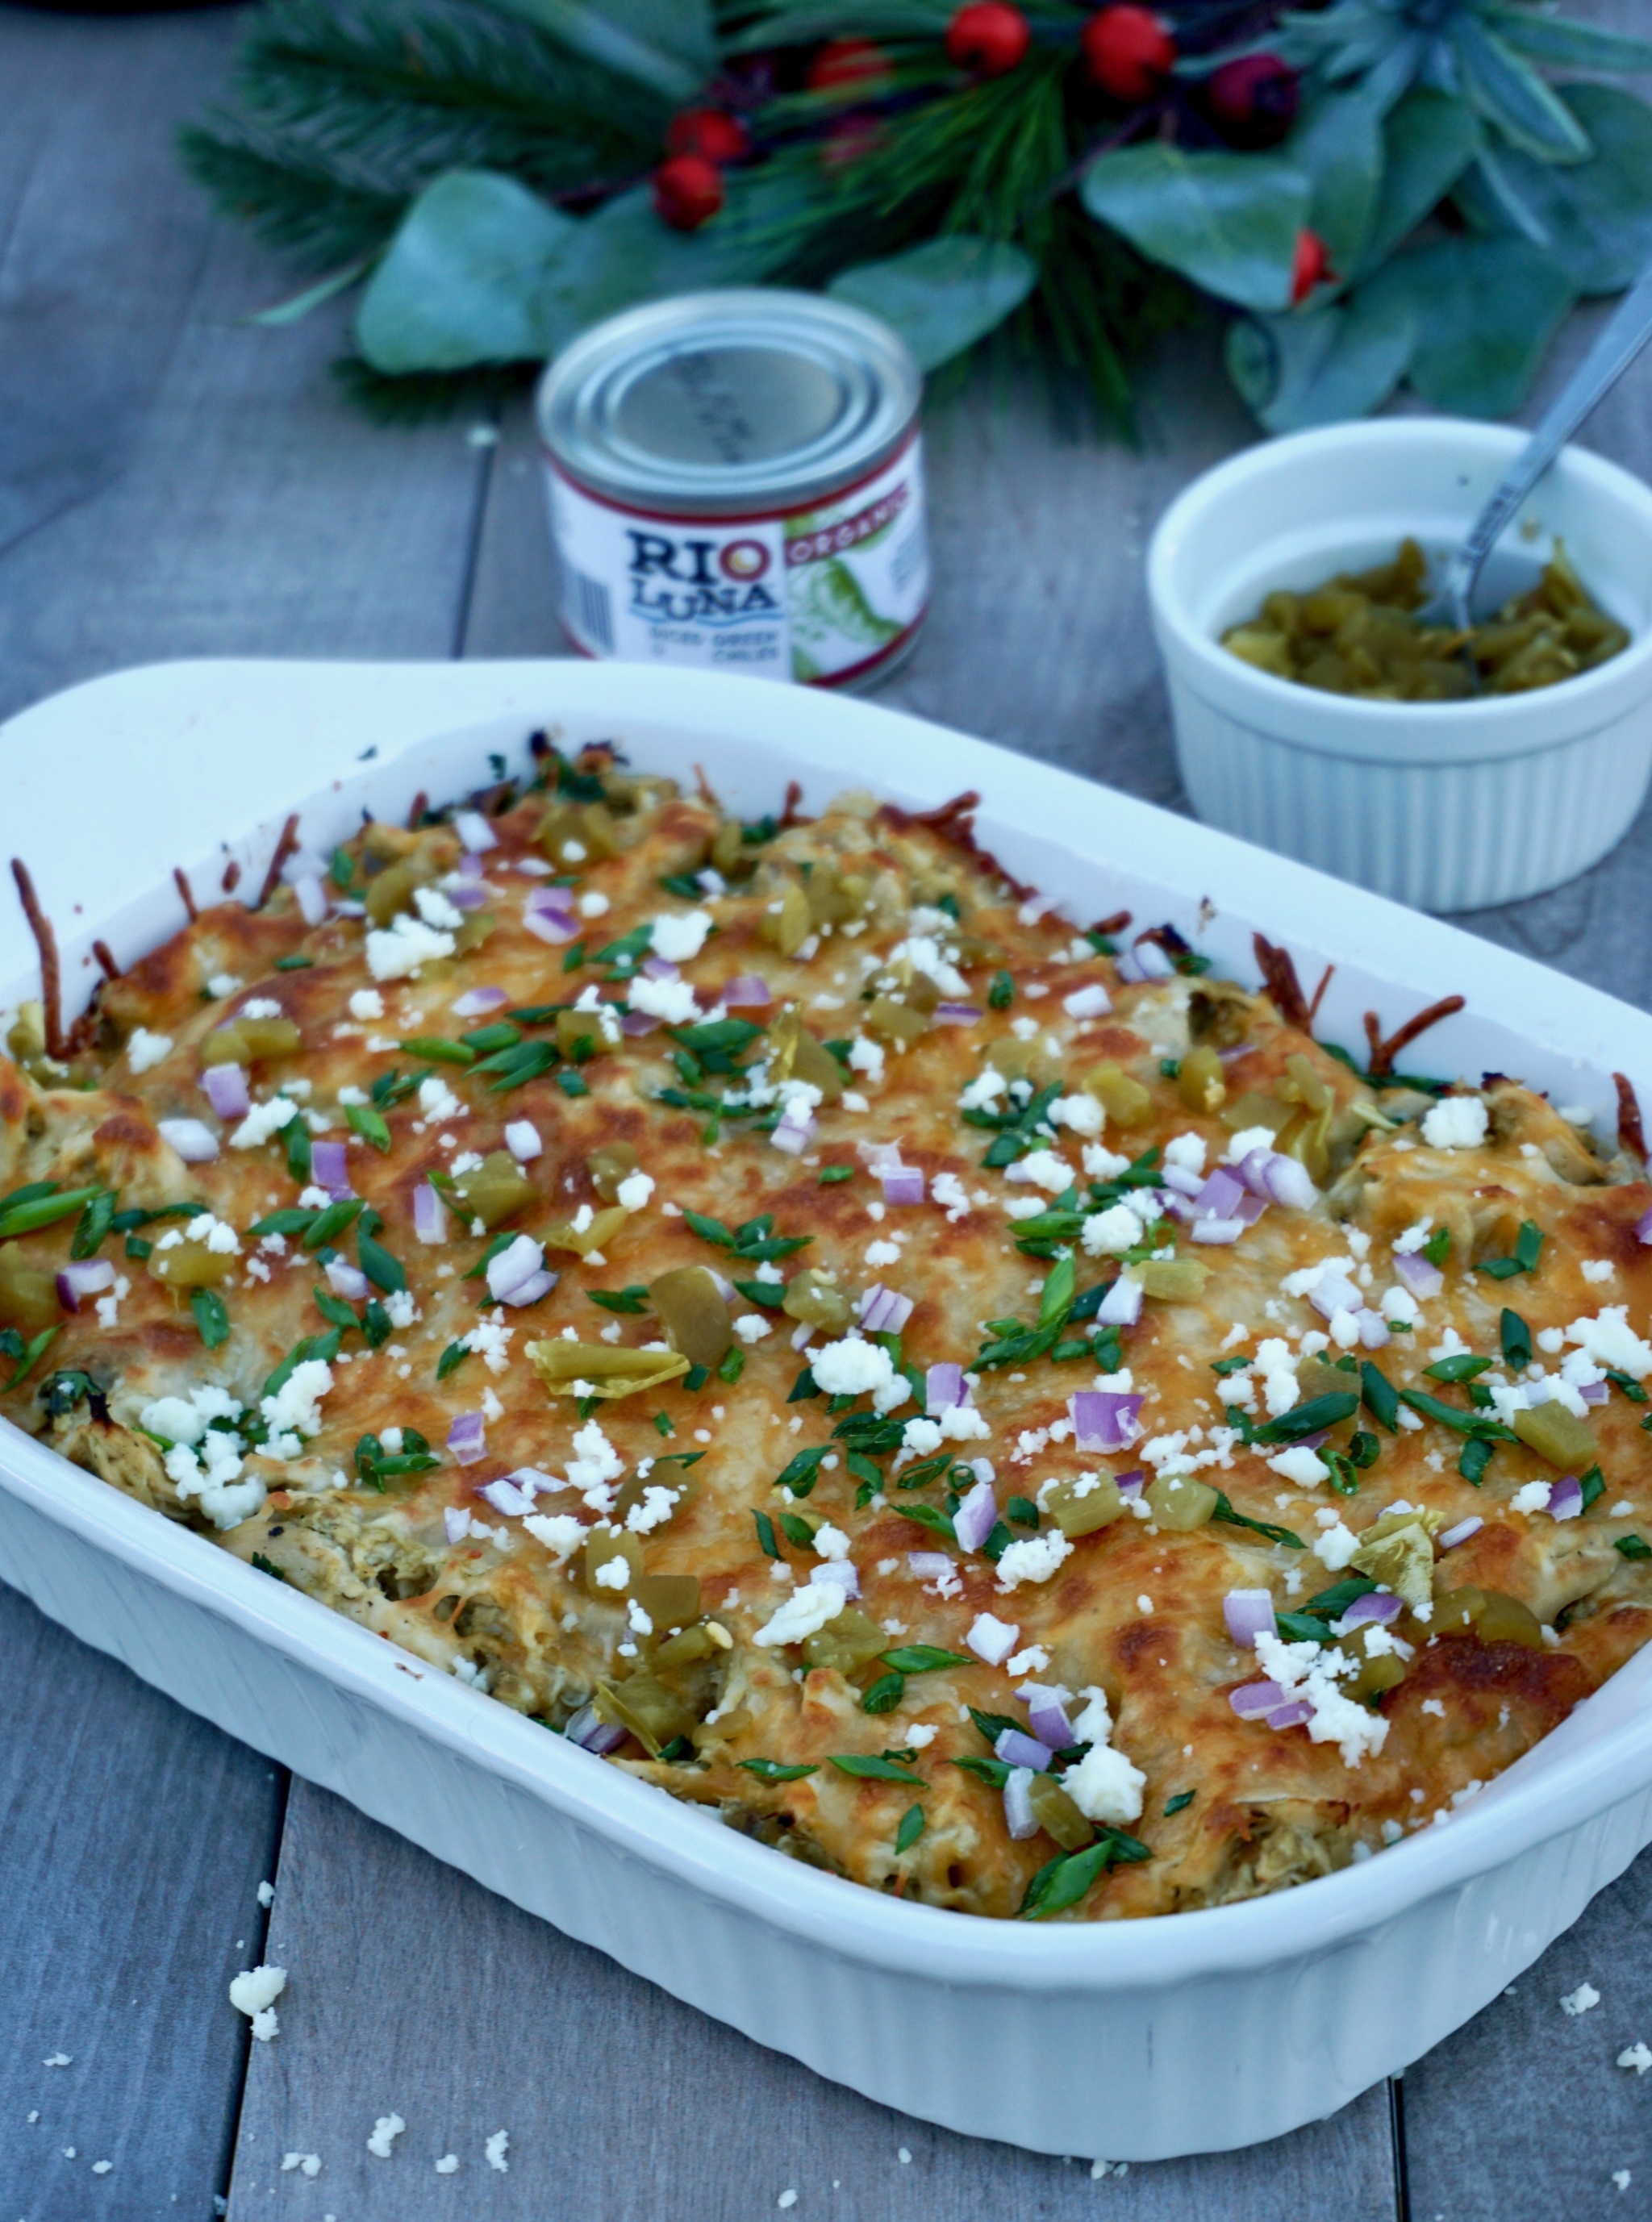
x: 1620, y: 341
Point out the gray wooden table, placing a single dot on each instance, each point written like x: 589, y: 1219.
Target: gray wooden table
x: 172, y: 483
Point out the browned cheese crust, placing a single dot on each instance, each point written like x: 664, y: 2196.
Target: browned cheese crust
x: 865, y: 926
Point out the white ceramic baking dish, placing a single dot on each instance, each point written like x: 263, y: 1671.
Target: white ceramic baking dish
x: 1139, y: 2040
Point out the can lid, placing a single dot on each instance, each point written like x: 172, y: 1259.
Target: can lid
x: 717, y: 403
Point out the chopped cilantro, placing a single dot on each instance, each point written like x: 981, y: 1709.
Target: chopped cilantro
x: 630, y: 1300
x: 451, y: 1359
x: 1179, y: 1803
x: 211, y: 1316
x: 867, y: 1769
x: 766, y: 1539
x: 911, y: 1828
x: 771, y: 1770
x: 1633, y: 1547
x: 1001, y: 993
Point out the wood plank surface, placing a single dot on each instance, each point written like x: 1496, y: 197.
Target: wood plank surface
x: 135, y: 1838
x: 411, y: 1990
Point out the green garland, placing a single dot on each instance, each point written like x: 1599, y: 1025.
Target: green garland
x: 1418, y: 202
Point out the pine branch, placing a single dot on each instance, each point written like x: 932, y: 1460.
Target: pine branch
x: 287, y: 199
x: 400, y: 92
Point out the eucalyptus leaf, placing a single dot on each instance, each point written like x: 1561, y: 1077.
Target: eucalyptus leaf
x: 1565, y: 45
x: 1327, y: 364
x: 944, y: 296
x: 1509, y: 93
x: 1338, y: 146
x: 667, y: 45
x: 1428, y: 139
x: 1487, y: 309
x: 1229, y: 222
x: 460, y: 282
x: 1595, y: 216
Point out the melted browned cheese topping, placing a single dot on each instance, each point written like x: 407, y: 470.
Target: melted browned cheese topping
x: 287, y: 1376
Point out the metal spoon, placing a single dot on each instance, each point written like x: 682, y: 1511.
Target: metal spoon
x: 1621, y: 340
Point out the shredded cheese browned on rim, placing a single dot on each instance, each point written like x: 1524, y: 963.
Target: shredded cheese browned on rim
x: 1017, y: 1423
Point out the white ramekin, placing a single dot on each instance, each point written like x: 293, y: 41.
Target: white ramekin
x: 1445, y: 806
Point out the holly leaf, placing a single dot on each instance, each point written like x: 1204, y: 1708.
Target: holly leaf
x: 944, y: 296
x: 1326, y: 365
x: 1574, y: 45
x: 1338, y: 146
x: 1595, y: 217
x: 1428, y: 139
x: 1486, y: 311
x: 1509, y: 92
x: 461, y: 281
x: 1227, y: 222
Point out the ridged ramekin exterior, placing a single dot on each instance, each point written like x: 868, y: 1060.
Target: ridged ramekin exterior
x: 1446, y: 807
x: 1444, y: 837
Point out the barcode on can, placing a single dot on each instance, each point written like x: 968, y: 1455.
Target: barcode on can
x: 592, y: 610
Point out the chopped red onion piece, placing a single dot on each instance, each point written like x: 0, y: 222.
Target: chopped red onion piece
x: 549, y: 898
x: 803, y: 1336
x: 225, y: 1088
x: 841, y: 1572
x: 1566, y: 1499
x: 455, y: 1523
x: 981, y: 1469
x: 1090, y: 1002
x: 976, y: 1518
x: 1596, y: 1392
x: 1047, y: 1718
x: 1423, y: 1279
x: 531, y: 1291
x: 83, y: 1278
x: 1373, y: 1328
x: 660, y: 968
x: 905, y: 1186
x: 311, y: 898
x: 429, y: 1213
x: 746, y: 992
x: 1104, y: 1419
x: 330, y: 1169
x: 943, y: 1388
x: 551, y: 925
x: 349, y: 909
x: 1179, y: 1207
x: 1253, y: 1701
x: 1020, y: 1820
x: 520, y: 1258
x: 793, y: 1135
x: 1218, y: 1197
x: 1333, y: 1293
x: 1183, y: 1182
x: 468, y: 1438
x: 1217, y: 1230
x: 1379, y: 1605
x: 529, y: 1479
x: 1249, y: 1208
x: 710, y: 881
x: 637, y: 1022
x: 522, y: 1140
x: 1248, y: 1613
x: 1294, y: 1715
x: 1290, y: 1182
x: 930, y: 1566
x: 195, y: 1143
x: 505, y: 1496
x: 346, y: 1280
x: 724, y: 1286
x: 475, y: 830
x: 1643, y: 1227
x: 1253, y: 1169
x: 958, y: 1015
x: 1130, y: 1484
x: 884, y: 1311
x: 477, y: 1001
x: 1018, y: 1751
x: 881, y: 1156
x: 1461, y: 1532
x: 592, y: 1734
x: 1121, y: 1305
x: 466, y: 897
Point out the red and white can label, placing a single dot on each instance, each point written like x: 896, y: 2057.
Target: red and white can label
x: 822, y: 595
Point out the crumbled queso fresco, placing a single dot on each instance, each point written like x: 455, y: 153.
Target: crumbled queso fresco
x: 953, y: 1385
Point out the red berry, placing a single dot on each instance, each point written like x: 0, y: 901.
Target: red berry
x: 1310, y: 265
x: 687, y: 190
x: 843, y: 64
x: 710, y: 133
x: 1128, y: 52
x: 988, y: 37
x: 1254, y: 99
